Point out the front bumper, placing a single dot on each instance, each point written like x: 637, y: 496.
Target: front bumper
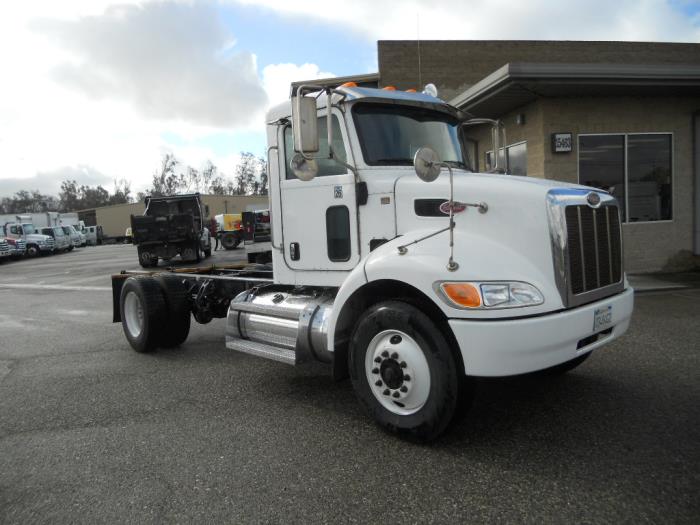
x: 503, y: 348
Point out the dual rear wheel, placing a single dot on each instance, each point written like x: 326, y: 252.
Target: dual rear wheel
x: 155, y: 311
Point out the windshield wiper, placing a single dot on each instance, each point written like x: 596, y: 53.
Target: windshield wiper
x: 456, y: 164
x: 399, y: 161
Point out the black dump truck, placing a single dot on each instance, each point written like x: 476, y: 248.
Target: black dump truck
x: 171, y: 226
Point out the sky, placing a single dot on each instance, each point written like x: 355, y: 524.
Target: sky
x: 96, y: 90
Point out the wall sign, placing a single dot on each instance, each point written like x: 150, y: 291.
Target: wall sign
x: 562, y: 142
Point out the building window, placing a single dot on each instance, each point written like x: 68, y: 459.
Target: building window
x: 636, y: 168
x: 517, y: 158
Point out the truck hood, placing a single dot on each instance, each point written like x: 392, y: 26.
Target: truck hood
x: 510, y: 242
x: 37, y: 237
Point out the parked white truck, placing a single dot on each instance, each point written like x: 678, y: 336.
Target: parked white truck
x: 400, y: 266
x: 28, y: 239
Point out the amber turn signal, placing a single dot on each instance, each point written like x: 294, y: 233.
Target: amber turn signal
x: 465, y: 295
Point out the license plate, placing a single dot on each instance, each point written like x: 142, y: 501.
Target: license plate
x: 602, y: 318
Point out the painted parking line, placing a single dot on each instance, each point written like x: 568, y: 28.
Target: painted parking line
x: 59, y: 287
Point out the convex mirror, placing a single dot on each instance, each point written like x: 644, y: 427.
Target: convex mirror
x: 427, y: 164
x: 303, y: 168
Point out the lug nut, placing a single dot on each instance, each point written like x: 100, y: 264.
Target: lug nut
x: 385, y: 354
x: 396, y: 394
x: 404, y: 389
x: 394, y: 355
x: 386, y: 392
x: 375, y: 370
x: 406, y: 377
x: 377, y: 359
x: 378, y: 383
x: 403, y: 364
x: 395, y: 339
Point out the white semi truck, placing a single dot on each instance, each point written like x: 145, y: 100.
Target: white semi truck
x: 398, y: 265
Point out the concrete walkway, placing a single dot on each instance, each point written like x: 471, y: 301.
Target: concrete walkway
x: 664, y: 281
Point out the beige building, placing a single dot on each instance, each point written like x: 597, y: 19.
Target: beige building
x: 622, y: 116
x: 116, y: 219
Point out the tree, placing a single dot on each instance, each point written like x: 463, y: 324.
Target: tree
x: 69, y: 196
x: 165, y: 180
x: 122, y: 192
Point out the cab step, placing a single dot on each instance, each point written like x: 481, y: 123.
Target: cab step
x: 283, y: 355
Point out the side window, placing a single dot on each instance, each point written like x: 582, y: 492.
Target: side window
x: 14, y: 230
x: 338, y: 233
x: 325, y: 166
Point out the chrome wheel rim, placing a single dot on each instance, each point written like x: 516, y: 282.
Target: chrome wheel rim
x: 397, y: 372
x: 133, y: 314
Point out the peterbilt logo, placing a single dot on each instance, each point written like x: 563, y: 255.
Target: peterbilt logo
x: 457, y: 207
x: 593, y: 199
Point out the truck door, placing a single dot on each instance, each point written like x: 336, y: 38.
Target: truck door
x: 319, y: 217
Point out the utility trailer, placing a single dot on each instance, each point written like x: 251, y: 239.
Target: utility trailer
x: 399, y: 265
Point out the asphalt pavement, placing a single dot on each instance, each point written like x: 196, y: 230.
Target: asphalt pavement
x: 93, y: 432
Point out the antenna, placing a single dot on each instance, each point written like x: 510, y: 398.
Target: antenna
x: 420, y: 78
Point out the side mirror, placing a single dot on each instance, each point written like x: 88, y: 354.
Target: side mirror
x: 427, y: 164
x: 303, y: 168
x: 305, y: 124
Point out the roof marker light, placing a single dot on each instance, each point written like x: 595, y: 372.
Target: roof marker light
x: 389, y: 88
x: 431, y: 90
x: 349, y: 84
x: 411, y: 90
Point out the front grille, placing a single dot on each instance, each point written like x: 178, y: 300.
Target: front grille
x: 586, y: 244
x: 593, y: 247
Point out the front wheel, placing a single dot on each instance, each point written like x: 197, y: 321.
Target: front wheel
x: 403, y: 371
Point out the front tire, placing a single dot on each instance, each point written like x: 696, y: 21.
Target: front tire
x: 143, y: 312
x: 403, y: 371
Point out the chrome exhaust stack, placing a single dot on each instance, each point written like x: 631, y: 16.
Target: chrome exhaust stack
x: 281, y: 325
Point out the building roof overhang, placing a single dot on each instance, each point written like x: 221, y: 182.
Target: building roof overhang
x: 517, y: 84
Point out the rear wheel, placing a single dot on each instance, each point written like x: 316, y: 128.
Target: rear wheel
x: 147, y: 259
x: 143, y: 312
x: 403, y: 371
x: 178, y: 310
x: 230, y: 241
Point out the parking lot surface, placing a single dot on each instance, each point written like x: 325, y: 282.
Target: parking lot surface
x: 91, y: 431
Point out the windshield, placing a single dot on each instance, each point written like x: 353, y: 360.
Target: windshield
x: 28, y: 229
x: 66, y: 230
x: 391, y: 135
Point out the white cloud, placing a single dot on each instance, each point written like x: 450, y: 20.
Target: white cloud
x: 170, y: 61
x: 277, y: 78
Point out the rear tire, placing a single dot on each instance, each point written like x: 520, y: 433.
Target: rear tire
x: 146, y: 260
x: 403, y: 371
x: 177, y: 310
x: 230, y: 241
x: 143, y: 312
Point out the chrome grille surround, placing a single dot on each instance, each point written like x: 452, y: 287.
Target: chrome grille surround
x: 586, y: 245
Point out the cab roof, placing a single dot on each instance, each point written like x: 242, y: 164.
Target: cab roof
x: 386, y: 96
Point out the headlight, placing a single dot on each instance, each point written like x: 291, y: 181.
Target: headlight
x: 490, y: 295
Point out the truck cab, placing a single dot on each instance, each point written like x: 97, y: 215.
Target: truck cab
x: 402, y: 267
x: 28, y: 240
x: 62, y: 242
